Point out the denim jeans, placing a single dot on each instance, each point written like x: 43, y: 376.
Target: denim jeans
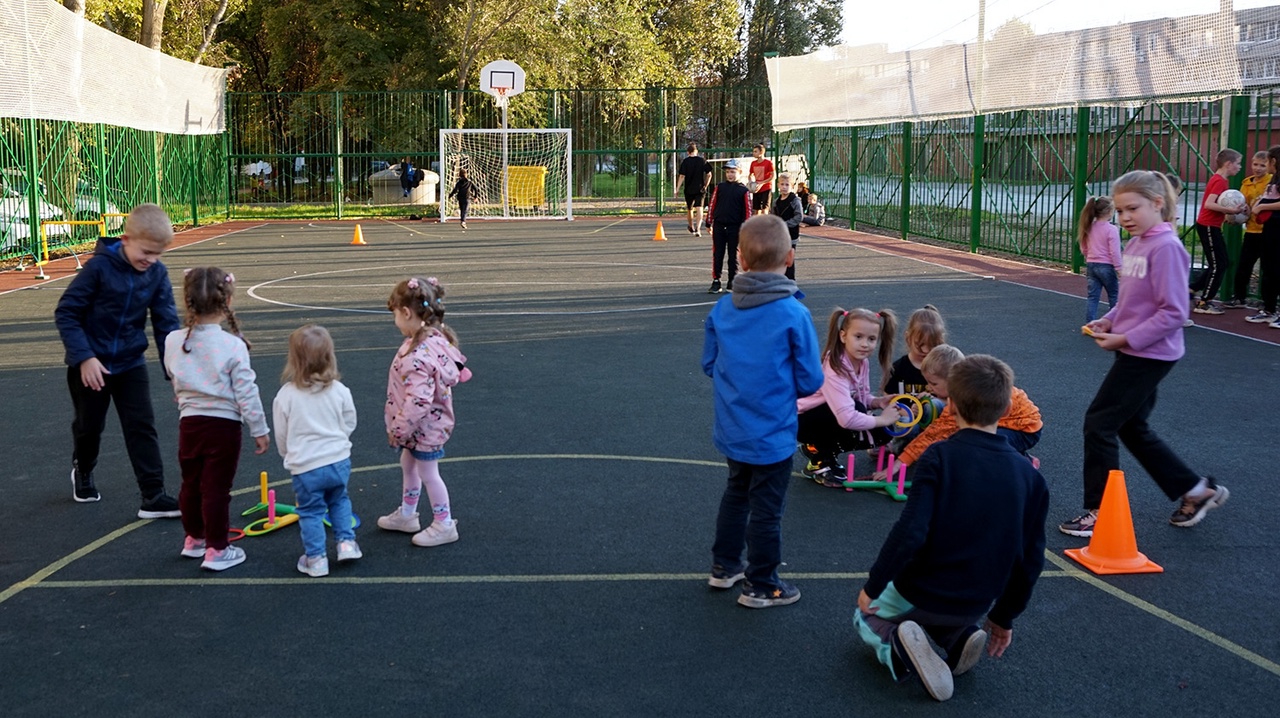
x: 320, y: 490
x: 1101, y: 276
x: 751, y: 515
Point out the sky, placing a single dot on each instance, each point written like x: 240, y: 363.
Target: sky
x: 928, y: 23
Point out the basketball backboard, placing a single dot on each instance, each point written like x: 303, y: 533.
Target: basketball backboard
x: 502, y: 79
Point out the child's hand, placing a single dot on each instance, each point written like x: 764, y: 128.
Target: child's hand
x: 1000, y: 638
x: 880, y: 476
x: 864, y: 605
x: 890, y: 415
x: 391, y: 440
x: 1099, y: 326
x: 92, y: 374
x: 1111, y: 342
x: 261, y: 443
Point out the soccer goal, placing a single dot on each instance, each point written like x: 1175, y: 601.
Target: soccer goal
x: 515, y: 174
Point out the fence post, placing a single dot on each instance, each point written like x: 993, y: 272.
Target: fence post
x: 1079, y: 179
x: 1237, y: 135
x: 339, y: 182
x: 853, y: 178
x: 100, y: 165
x: 810, y: 158
x: 659, y: 134
x: 975, y: 192
x: 907, y: 161
x: 192, y: 166
x: 153, y: 165
x: 32, y: 169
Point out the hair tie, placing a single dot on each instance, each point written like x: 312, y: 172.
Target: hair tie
x: 413, y: 283
x: 232, y: 278
x: 186, y: 272
x: 436, y: 282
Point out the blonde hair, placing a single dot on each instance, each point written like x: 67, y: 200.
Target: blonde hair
x: 1151, y: 185
x: 925, y: 327
x: 940, y: 359
x: 312, y: 359
x: 1093, y: 210
x: 834, y: 351
x: 784, y: 176
x: 148, y: 222
x: 763, y: 242
x: 424, y: 298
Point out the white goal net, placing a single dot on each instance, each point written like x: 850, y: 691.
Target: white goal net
x: 517, y: 174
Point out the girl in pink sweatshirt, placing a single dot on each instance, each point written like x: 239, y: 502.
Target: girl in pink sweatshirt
x: 1100, y: 245
x: 419, y: 410
x: 1144, y: 330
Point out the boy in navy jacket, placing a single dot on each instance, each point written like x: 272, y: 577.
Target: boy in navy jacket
x: 102, y: 318
x: 937, y: 576
x: 761, y: 352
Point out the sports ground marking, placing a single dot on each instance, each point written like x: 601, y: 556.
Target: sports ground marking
x: 40, y: 579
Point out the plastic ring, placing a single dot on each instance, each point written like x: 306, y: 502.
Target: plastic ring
x: 913, y: 417
x: 355, y: 521
x: 259, y: 527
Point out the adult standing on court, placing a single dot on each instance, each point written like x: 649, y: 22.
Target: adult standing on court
x: 695, y: 176
x: 761, y: 176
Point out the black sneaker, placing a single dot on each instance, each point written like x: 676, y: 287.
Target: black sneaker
x: 933, y: 671
x: 722, y: 577
x: 1233, y: 304
x: 969, y: 651
x: 1191, y: 511
x: 1081, y: 525
x: 160, y: 506
x: 768, y: 596
x: 83, y: 489
x: 729, y: 287
x: 715, y: 287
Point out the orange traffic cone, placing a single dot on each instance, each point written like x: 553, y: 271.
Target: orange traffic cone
x: 1113, y: 548
x: 659, y: 235
x: 359, y: 238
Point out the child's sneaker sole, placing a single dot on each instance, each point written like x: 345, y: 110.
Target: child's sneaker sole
x: 971, y: 653
x: 933, y: 671
x: 1220, y: 496
x: 396, y: 521
x: 726, y: 581
x: 436, y: 535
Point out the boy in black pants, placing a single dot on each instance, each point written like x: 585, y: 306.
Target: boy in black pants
x: 936, y: 576
x: 102, y: 318
x: 730, y: 207
x: 761, y: 353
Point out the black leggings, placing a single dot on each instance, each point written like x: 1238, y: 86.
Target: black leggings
x: 819, y: 428
x: 1215, y: 262
x: 1250, y: 253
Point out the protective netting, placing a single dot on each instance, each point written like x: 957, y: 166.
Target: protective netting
x: 1021, y: 64
x: 57, y: 66
x: 535, y: 164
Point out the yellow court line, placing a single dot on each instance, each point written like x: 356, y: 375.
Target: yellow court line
x: 39, y: 576
x: 1233, y: 648
x: 624, y: 219
x: 438, y: 580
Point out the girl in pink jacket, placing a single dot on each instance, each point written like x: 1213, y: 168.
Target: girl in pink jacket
x: 419, y: 410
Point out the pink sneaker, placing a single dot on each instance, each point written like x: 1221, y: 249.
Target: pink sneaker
x: 193, y: 547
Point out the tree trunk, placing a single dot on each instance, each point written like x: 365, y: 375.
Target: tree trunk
x: 152, y: 23
x: 213, y: 28
x: 75, y: 6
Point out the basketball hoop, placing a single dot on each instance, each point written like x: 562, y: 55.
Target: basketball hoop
x: 503, y: 79
x: 500, y: 96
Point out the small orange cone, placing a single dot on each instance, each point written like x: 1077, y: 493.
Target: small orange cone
x: 359, y: 238
x: 659, y: 235
x: 1113, y: 548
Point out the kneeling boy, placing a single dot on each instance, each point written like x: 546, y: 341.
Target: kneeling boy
x: 936, y: 577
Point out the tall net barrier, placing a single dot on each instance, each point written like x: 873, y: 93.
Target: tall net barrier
x: 515, y: 174
x: 92, y: 124
x: 1018, y: 65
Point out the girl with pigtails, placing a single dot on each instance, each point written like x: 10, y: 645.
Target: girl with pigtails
x: 419, y: 410
x: 217, y: 391
x: 838, y: 418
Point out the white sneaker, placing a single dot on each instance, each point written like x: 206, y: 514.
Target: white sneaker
x: 1262, y: 317
x: 216, y: 560
x: 314, y: 567
x: 349, y: 550
x: 396, y: 521
x: 193, y: 547
x: 437, y: 534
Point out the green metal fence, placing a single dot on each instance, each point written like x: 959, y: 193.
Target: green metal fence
x: 54, y: 171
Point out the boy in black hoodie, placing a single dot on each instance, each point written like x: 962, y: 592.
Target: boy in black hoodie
x: 102, y: 319
x: 936, y: 577
x: 730, y: 207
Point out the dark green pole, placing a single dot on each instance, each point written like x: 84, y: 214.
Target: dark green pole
x: 100, y: 166
x: 193, y: 165
x: 907, y: 161
x: 1237, y: 139
x: 153, y: 166
x: 660, y: 118
x: 811, y: 156
x: 339, y: 183
x: 1080, y: 176
x: 979, y: 169
x: 853, y: 178
x: 31, y: 168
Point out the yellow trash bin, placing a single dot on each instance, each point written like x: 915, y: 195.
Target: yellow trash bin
x: 527, y: 186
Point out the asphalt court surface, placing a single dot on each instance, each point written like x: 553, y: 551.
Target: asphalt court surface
x: 585, y: 484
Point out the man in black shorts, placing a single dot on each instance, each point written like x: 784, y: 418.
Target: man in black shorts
x: 695, y: 175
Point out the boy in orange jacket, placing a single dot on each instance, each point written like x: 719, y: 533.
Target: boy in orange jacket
x: 1020, y: 425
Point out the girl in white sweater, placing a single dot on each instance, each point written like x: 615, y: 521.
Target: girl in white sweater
x: 314, y: 417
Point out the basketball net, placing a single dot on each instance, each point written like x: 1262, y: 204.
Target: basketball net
x: 501, y: 98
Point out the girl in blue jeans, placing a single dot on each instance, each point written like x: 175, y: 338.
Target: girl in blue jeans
x: 314, y: 417
x: 1100, y: 245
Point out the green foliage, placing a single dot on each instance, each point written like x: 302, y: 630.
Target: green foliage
x: 787, y: 28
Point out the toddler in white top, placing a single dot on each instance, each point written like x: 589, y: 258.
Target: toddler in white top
x: 314, y: 417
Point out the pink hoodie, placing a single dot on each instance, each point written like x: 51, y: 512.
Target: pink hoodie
x: 419, y: 410
x: 839, y: 394
x: 1153, y: 300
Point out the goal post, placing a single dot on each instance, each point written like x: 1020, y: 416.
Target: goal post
x: 515, y: 174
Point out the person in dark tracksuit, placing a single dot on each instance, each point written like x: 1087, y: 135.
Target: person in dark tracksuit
x: 102, y: 318
x: 730, y: 207
x: 462, y: 191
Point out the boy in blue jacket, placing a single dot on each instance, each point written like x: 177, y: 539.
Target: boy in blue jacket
x: 102, y: 318
x: 761, y: 353
x: 936, y: 576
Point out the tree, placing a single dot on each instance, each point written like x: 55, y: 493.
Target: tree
x: 75, y: 6
x: 152, y: 23
x: 787, y: 28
